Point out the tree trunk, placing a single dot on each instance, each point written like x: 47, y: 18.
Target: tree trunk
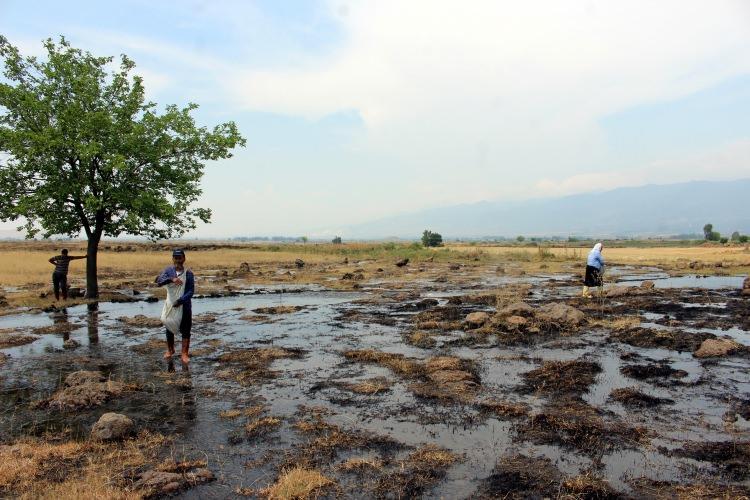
x: 92, y: 284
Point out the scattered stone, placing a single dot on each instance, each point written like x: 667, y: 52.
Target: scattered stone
x: 244, y: 267
x: 477, y: 319
x: 711, y: 348
x: 516, y: 322
x: 402, y: 262
x: 299, y: 263
x: 353, y: 277
x: 71, y: 344
x: 517, y: 309
x: 746, y: 287
x: 560, y: 314
x: 648, y: 285
x: 155, y: 483
x: 112, y: 427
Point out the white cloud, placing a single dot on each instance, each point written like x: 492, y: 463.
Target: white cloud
x: 432, y: 79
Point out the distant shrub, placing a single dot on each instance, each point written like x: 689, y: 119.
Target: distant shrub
x: 336, y: 240
x: 744, y: 238
x: 723, y: 240
x: 430, y: 239
x: 520, y: 239
x: 736, y: 236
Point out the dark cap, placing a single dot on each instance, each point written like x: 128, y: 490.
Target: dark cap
x: 178, y: 252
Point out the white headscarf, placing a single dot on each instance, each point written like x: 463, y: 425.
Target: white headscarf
x: 597, y: 247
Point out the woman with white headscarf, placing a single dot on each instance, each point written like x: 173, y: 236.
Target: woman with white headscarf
x: 594, y: 270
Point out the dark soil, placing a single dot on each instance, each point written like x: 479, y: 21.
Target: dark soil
x: 520, y: 476
x: 731, y: 457
x: 574, y: 424
x: 662, y: 372
x: 630, y: 396
x: 561, y: 377
x: 674, y: 339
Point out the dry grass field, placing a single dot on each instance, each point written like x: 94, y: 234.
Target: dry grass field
x: 25, y: 271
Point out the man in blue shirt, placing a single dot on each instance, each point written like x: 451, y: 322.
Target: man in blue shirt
x: 594, y: 270
x: 176, y: 276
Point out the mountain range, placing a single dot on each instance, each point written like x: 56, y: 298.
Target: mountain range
x: 651, y: 210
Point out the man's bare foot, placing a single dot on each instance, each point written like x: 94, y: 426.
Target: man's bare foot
x: 168, y: 354
x: 185, y: 358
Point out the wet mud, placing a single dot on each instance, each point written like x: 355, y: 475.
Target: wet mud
x: 463, y: 383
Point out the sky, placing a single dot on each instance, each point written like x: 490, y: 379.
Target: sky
x: 357, y: 110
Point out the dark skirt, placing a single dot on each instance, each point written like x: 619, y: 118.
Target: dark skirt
x: 593, y: 276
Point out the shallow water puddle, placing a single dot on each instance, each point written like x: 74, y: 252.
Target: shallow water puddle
x: 187, y: 403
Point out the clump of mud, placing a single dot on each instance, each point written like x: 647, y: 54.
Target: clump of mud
x: 507, y: 409
x: 561, y: 377
x: 420, y: 338
x: 368, y: 387
x: 397, y: 363
x: 11, y: 338
x: 141, y: 321
x: 676, y: 340
x: 252, y: 365
x: 574, y: 424
x: 520, y: 476
x: 84, y: 389
x: 731, y: 457
x: 441, y: 377
x: 172, y: 477
x: 648, y: 488
x: 660, y: 373
x: 326, y: 440
x: 631, y: 396
x: 415, y: 473
x: 440, y: 318
x: 278, y: 309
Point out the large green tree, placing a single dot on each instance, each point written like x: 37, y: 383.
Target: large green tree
x: 82, y: 151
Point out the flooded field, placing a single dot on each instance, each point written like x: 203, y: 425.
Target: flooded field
x: 454, y: 383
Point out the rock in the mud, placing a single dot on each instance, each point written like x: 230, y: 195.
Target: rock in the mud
x: 157, y: 483
x: 711, y: 348
x: 402, y: 262
x: 160, y: 482
x: 353, y: 277
x: 299, y: 263
x: 477, y: 319
x: 244, y: 267
x: 648, y: 285
x: 560, y: 314
x: 517, y: 309
x: 516, y: 321
x: 746, y: 287
x: 619, y: 291
x: 112, y: 427
x: 71, y: 344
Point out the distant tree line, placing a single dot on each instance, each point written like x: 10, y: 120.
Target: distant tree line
x: 710, y: 235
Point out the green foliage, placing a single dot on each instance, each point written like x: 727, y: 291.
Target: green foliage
x: 707, y: 229
x: 714, y: 236
x: 520, y: 239
x: 736, y: 236
x: 303, y: 239
x: 336, y: 240
x: 743, y: 238
x: 82, y: 150
x: 430, y: 239
x: 723, y: 240
x: 85, y: 151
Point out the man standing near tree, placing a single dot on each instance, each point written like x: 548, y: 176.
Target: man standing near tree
x: 177, y: 314
x: 60, y: 274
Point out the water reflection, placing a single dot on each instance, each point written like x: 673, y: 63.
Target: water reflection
x: 61, y: 321
x: 93, y: 322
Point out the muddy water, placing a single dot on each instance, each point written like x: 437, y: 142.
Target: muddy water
x: 186, y: 403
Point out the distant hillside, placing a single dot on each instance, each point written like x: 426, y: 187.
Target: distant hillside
x: 635, y: 211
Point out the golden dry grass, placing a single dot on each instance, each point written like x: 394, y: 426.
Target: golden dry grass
x: 34, y: 468
x: 296, y: 483
x: 733, y: 255
x: 357, y: 464
x: 261, y: 426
